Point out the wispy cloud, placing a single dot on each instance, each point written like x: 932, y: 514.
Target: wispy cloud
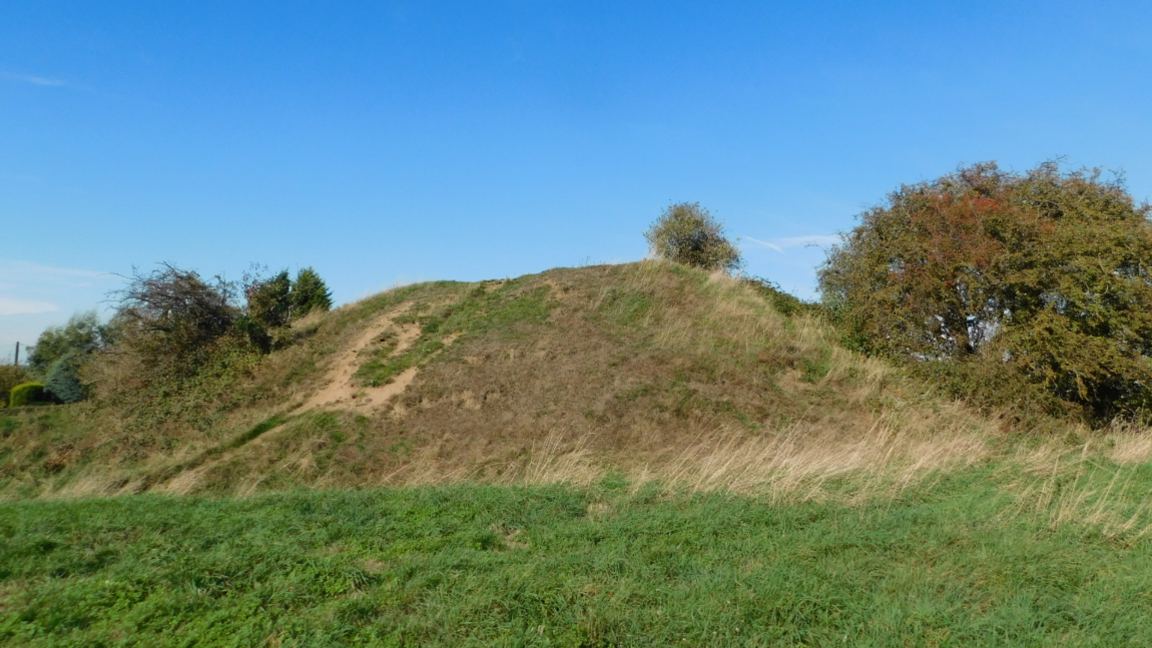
x: 781, y: 244
x: 33, y: 79
x: 13, y: 306
x: 30, y: 275
x: 27, y: 287
x: 35, y: 296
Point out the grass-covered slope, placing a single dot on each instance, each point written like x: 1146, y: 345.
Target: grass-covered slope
x: 648, y: 369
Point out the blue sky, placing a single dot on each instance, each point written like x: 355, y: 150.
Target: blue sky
x: 395, y: 142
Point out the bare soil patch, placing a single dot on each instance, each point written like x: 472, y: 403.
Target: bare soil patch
x: 341, y: 390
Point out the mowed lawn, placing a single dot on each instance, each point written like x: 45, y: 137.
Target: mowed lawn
x: 954, y: 563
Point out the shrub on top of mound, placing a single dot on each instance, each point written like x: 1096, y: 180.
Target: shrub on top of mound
x: 1007, y: 287
x: 687, y: 233
x: 277, y: 301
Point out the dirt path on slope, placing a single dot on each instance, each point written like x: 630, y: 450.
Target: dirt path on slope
x: 340, y: 389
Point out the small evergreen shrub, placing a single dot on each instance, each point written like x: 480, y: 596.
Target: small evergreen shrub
x: 26, y: 394
x: 274, y: 303
x: 63, y: 380
x: 309, y: 293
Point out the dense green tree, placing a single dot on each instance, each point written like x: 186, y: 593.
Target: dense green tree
x: 1045, y: 275
x: 687, y: 233
x: 309, y: 293
x: 276, y: 301
x: 61, y: 352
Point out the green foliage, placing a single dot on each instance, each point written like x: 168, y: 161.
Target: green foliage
x: 1043, y: 275
x: 62, y: 351
x: 254, y: 332
x: 273, y: 303
x: 191, y: 398
x: 269, y: 301
x: 26, y: 394
x: 489, y: 566
x: 10, y: 376
x: 686, y: 233
x: 63, y: 379
x: 309, y: 293
x: 269, y: 307
x: 82, y: 335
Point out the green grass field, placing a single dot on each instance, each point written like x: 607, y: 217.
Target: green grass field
x: 954, y: 562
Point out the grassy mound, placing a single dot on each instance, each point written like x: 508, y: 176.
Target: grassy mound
x: 650, y: 369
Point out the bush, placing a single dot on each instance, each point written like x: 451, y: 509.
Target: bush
x: 63, y: 379
x: 26, y: 394
x: 1043, y: 275
x: 274, y: 302
x: 171, y: 314
x: 10, y: 376
x: 686, y: 233
x: 785, y: 303
x: 309, y: 293
x: 61, y: 351
x: 269, y: 300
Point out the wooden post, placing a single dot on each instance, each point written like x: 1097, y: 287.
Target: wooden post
x: 17, y: 363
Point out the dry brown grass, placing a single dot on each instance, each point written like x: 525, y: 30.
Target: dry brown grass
x: 800, y: 463
x: 1089, y: 478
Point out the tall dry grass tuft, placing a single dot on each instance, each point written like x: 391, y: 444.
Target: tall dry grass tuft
x: 1098, y: 485
x: 805, y: 462
x: 559, y: 458
x: 1128, y: 443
